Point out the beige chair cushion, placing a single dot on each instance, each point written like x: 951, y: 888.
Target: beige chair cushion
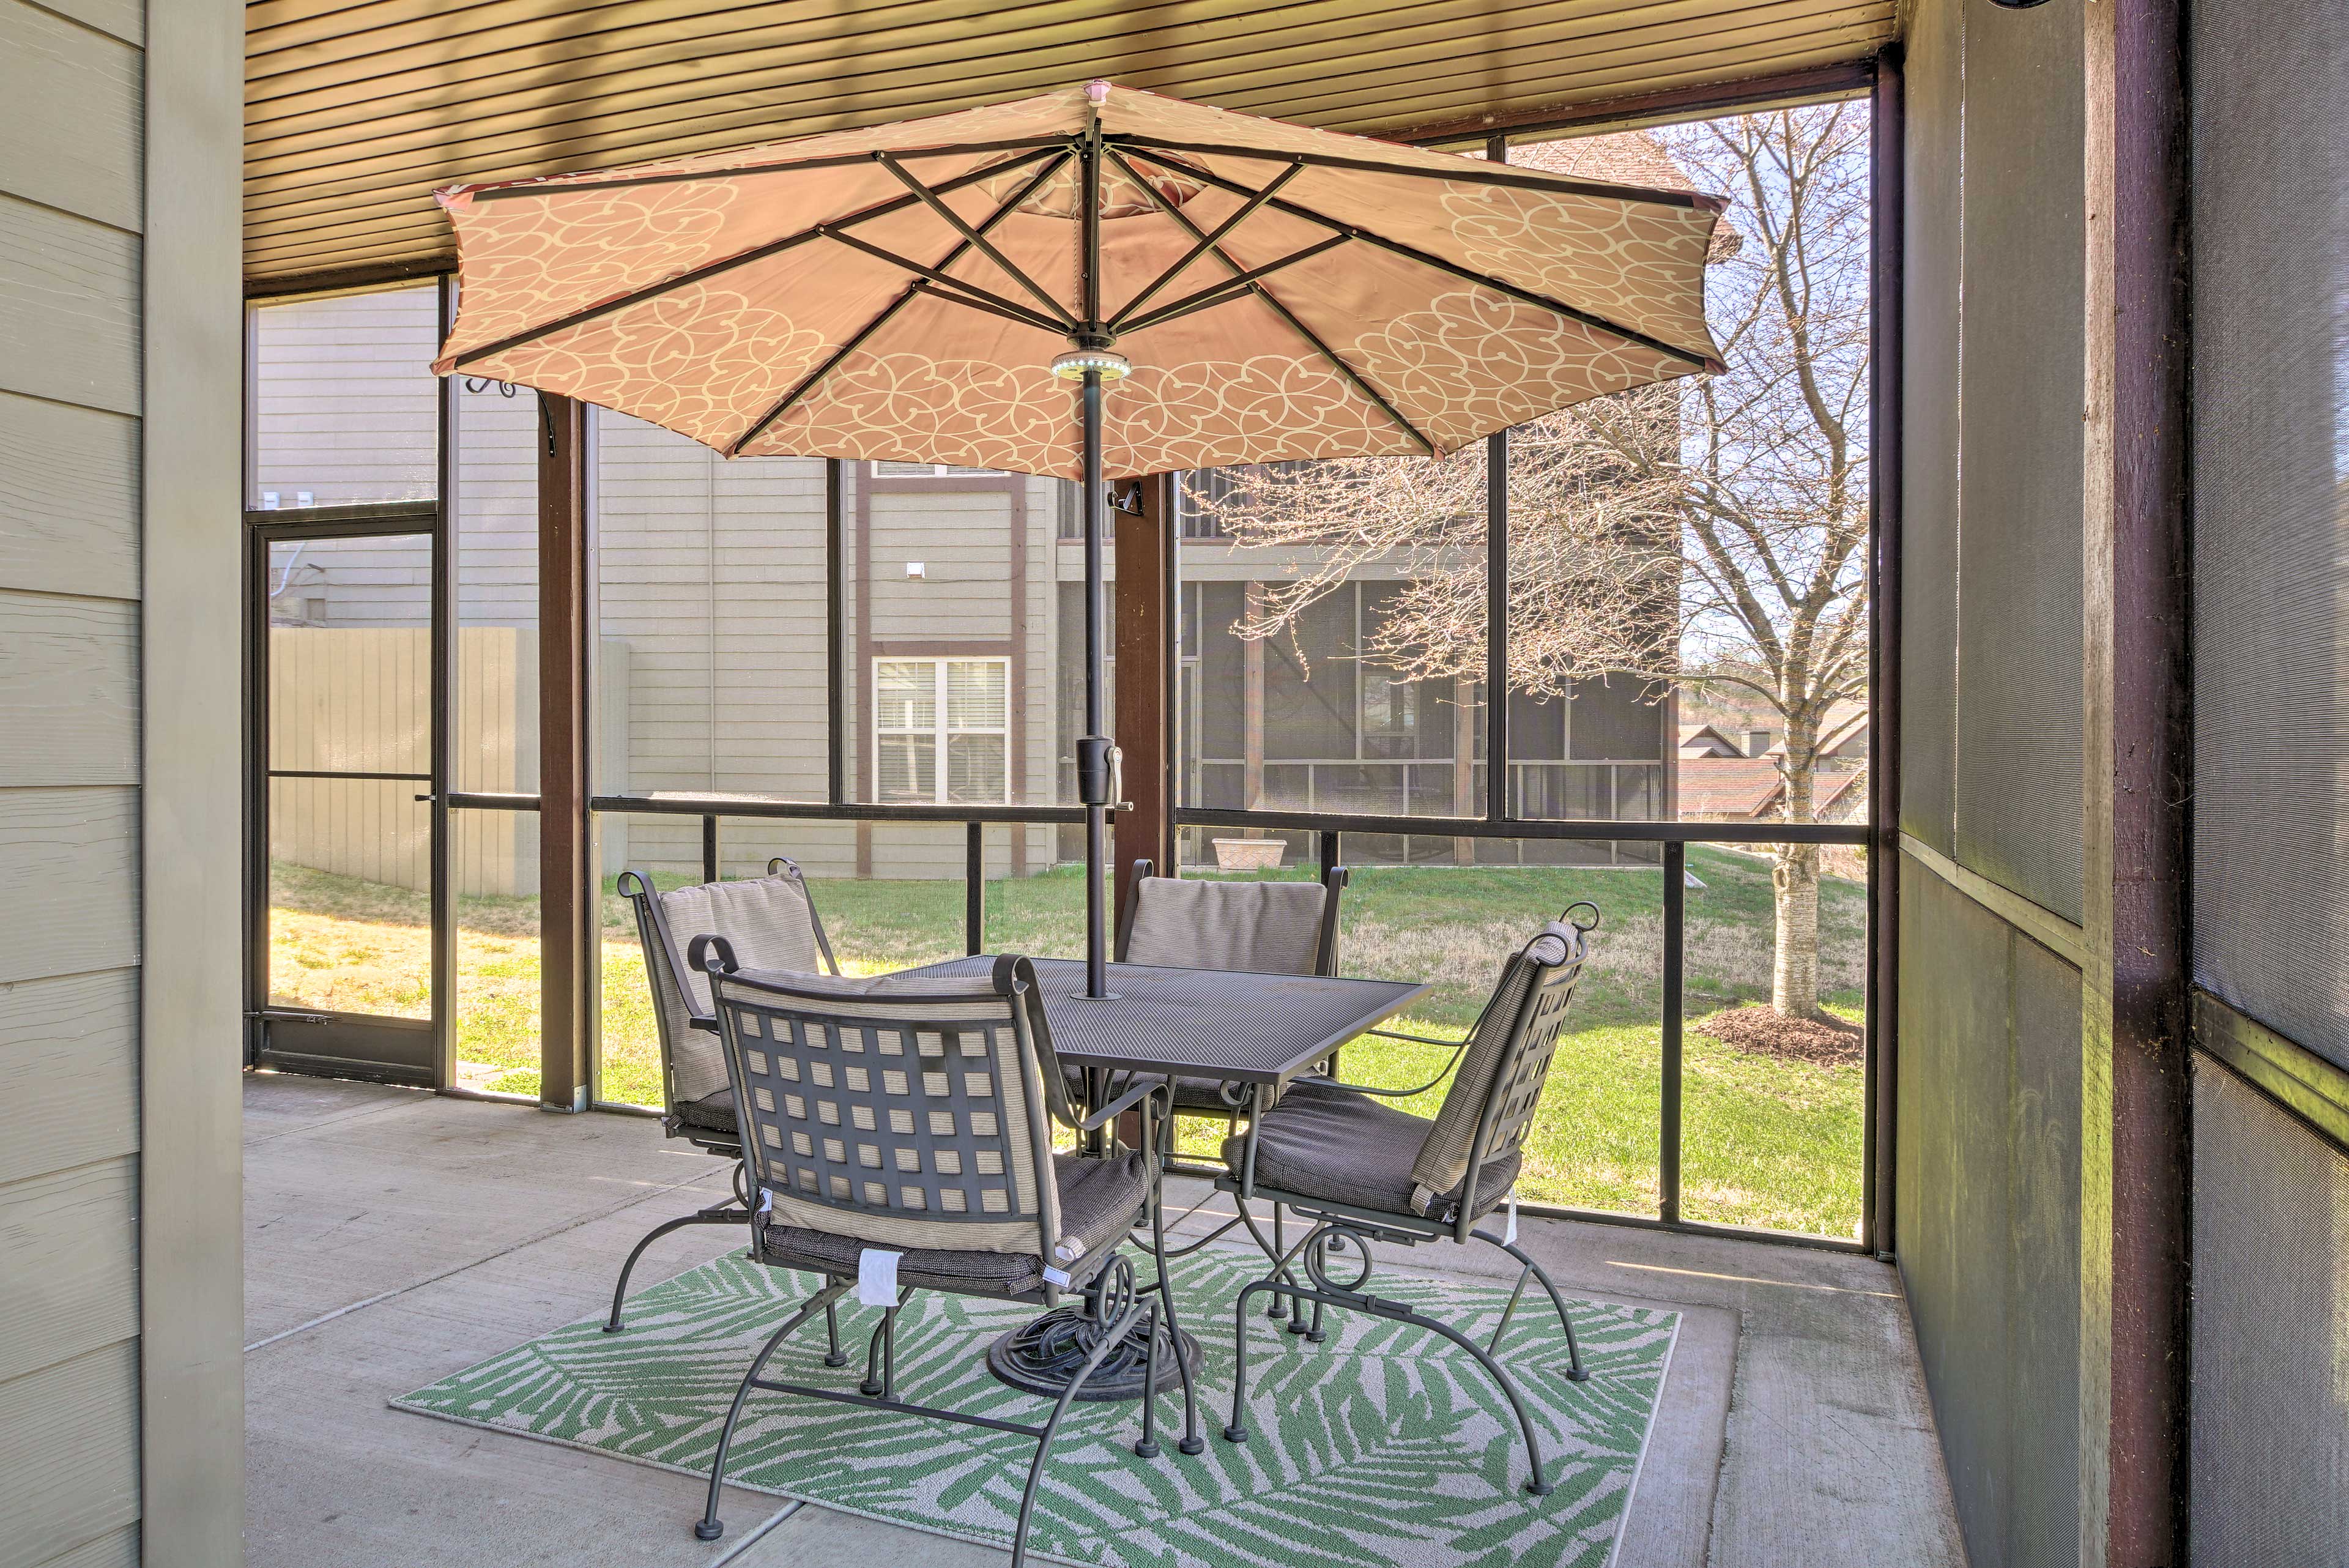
x: 769, y: 924
x: 1323, y: 1141
x: 1262, y: 927
x: 1101, y: 1201
x: 1442, y: 1160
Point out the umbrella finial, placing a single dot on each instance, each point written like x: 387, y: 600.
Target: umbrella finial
x: 1097, y: 93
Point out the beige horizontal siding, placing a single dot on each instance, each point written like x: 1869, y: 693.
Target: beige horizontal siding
x: 71, y: 204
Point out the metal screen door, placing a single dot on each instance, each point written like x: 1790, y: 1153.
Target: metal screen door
x: 345, y: 832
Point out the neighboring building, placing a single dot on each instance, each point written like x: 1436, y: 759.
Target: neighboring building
x: 1706, y: 740
x: 1748, y: 789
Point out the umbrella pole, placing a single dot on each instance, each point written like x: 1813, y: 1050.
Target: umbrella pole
x: 1096, y: 755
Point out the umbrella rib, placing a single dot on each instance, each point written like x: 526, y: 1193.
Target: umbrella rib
x: 1353, y: 376
x: 1125, y: 315
x: 976, y: 237
x: 547, y: 187
x: 1001, y: 306
x: 1023, y: 316
x: 913, y: 291
x: 1231, y: 288
x: 1468, y: 275
x: 1557, y: 184
x: 725, y: 264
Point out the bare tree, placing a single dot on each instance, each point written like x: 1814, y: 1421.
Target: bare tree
x: 1709, y: 532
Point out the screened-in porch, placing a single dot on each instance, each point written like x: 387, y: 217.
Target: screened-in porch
x: 1741, y: 970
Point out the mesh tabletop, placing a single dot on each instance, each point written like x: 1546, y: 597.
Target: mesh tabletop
x: 1202, y: 1024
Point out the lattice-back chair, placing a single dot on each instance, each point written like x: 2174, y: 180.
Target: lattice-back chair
x: 1362, y: 1170
x: 771, y: 920
x: 914, y: 1117
x: 1259, y: 928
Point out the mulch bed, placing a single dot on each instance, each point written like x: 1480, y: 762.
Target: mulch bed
x: 1762, y: 1030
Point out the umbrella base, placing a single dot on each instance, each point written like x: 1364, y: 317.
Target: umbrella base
x: 1044, y: 1355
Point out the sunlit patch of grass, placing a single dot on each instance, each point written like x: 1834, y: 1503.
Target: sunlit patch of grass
x: 1765, y: 1142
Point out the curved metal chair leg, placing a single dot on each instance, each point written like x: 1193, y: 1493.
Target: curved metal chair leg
x: 1281, y: 1305
x: 1279, y: 1258
x: 881, y: 1359
x: 620, y: 1291
x: 1273, y: 1283
x: 1190, y: 1442
x: 1238, y: 1431
x: 1537, y: 1486
x: 1108, y: 1343
x: 1147, y: 1448
x: 1235, y: 1429
x: 709, y: 1527
x: 1575, y: 1373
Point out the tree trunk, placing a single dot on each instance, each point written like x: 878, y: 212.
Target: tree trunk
x: 1795, y: 881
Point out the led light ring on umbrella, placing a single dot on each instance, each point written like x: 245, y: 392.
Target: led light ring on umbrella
x: 915, y: 292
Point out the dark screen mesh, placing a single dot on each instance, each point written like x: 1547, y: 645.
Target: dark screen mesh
x: 2270, y: 226
x: 1931, y: 394
x: 1618, y: 719
x: 2270, y: 1439
x: 2018, y: 566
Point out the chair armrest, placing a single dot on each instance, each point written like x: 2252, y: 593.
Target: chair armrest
x: 1123, y: 1103
x: 1318, y: 1082
x: 1417, y: 1038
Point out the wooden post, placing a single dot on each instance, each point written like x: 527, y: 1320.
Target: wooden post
x: 2135, y: 1098
x: 566, y: 902
x: 1144, y: 724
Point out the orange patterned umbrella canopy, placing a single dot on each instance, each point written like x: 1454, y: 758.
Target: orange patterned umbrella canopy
x: 902, y: 292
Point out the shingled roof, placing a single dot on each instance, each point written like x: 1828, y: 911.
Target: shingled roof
x: 1624, y: 158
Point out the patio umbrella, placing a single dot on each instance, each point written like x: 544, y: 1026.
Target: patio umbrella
x: 1219, y: 289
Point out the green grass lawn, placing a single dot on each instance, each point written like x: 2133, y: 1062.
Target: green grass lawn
x: 1765, y: 1142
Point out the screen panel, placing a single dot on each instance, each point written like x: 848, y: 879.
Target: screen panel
x: 2020, y: 567
x: 1931, y: 416
x: 2271, y: 1433
x: 2270, y: 388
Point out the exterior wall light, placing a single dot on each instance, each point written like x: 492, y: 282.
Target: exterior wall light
x: 917, y: 571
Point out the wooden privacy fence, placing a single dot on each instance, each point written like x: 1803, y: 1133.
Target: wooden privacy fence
x: 359, y: 700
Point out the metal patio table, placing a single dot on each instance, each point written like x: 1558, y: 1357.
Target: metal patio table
x: 1254, y: 1032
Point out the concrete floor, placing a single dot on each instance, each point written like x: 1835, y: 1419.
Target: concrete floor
x: 394, y: 1236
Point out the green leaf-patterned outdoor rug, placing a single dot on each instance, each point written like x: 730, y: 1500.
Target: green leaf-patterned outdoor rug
x: 1384, y: 1445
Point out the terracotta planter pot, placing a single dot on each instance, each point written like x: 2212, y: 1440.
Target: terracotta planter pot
x: 1249, y: 854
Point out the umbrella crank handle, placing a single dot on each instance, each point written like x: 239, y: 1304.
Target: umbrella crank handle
x: 1101, y: 772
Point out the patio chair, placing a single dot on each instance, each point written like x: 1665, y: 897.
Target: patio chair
x: 771, y: 919
x: 1259, y: 927
x: 915, y: 1116
x: 1363, y: 1172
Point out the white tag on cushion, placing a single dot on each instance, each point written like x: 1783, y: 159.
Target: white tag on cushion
x: 877, y: 1277
x: 1053, y: 1276
x: 1069, y: 1249
x: 1509, y: 1236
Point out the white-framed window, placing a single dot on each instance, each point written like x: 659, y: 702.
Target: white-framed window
x: 941, y: 732
x: 930, y: 471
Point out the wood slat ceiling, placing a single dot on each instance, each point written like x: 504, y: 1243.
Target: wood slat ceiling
x: 355, y: 113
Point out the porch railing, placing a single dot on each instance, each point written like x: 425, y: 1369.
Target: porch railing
x: 1329, y: 831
